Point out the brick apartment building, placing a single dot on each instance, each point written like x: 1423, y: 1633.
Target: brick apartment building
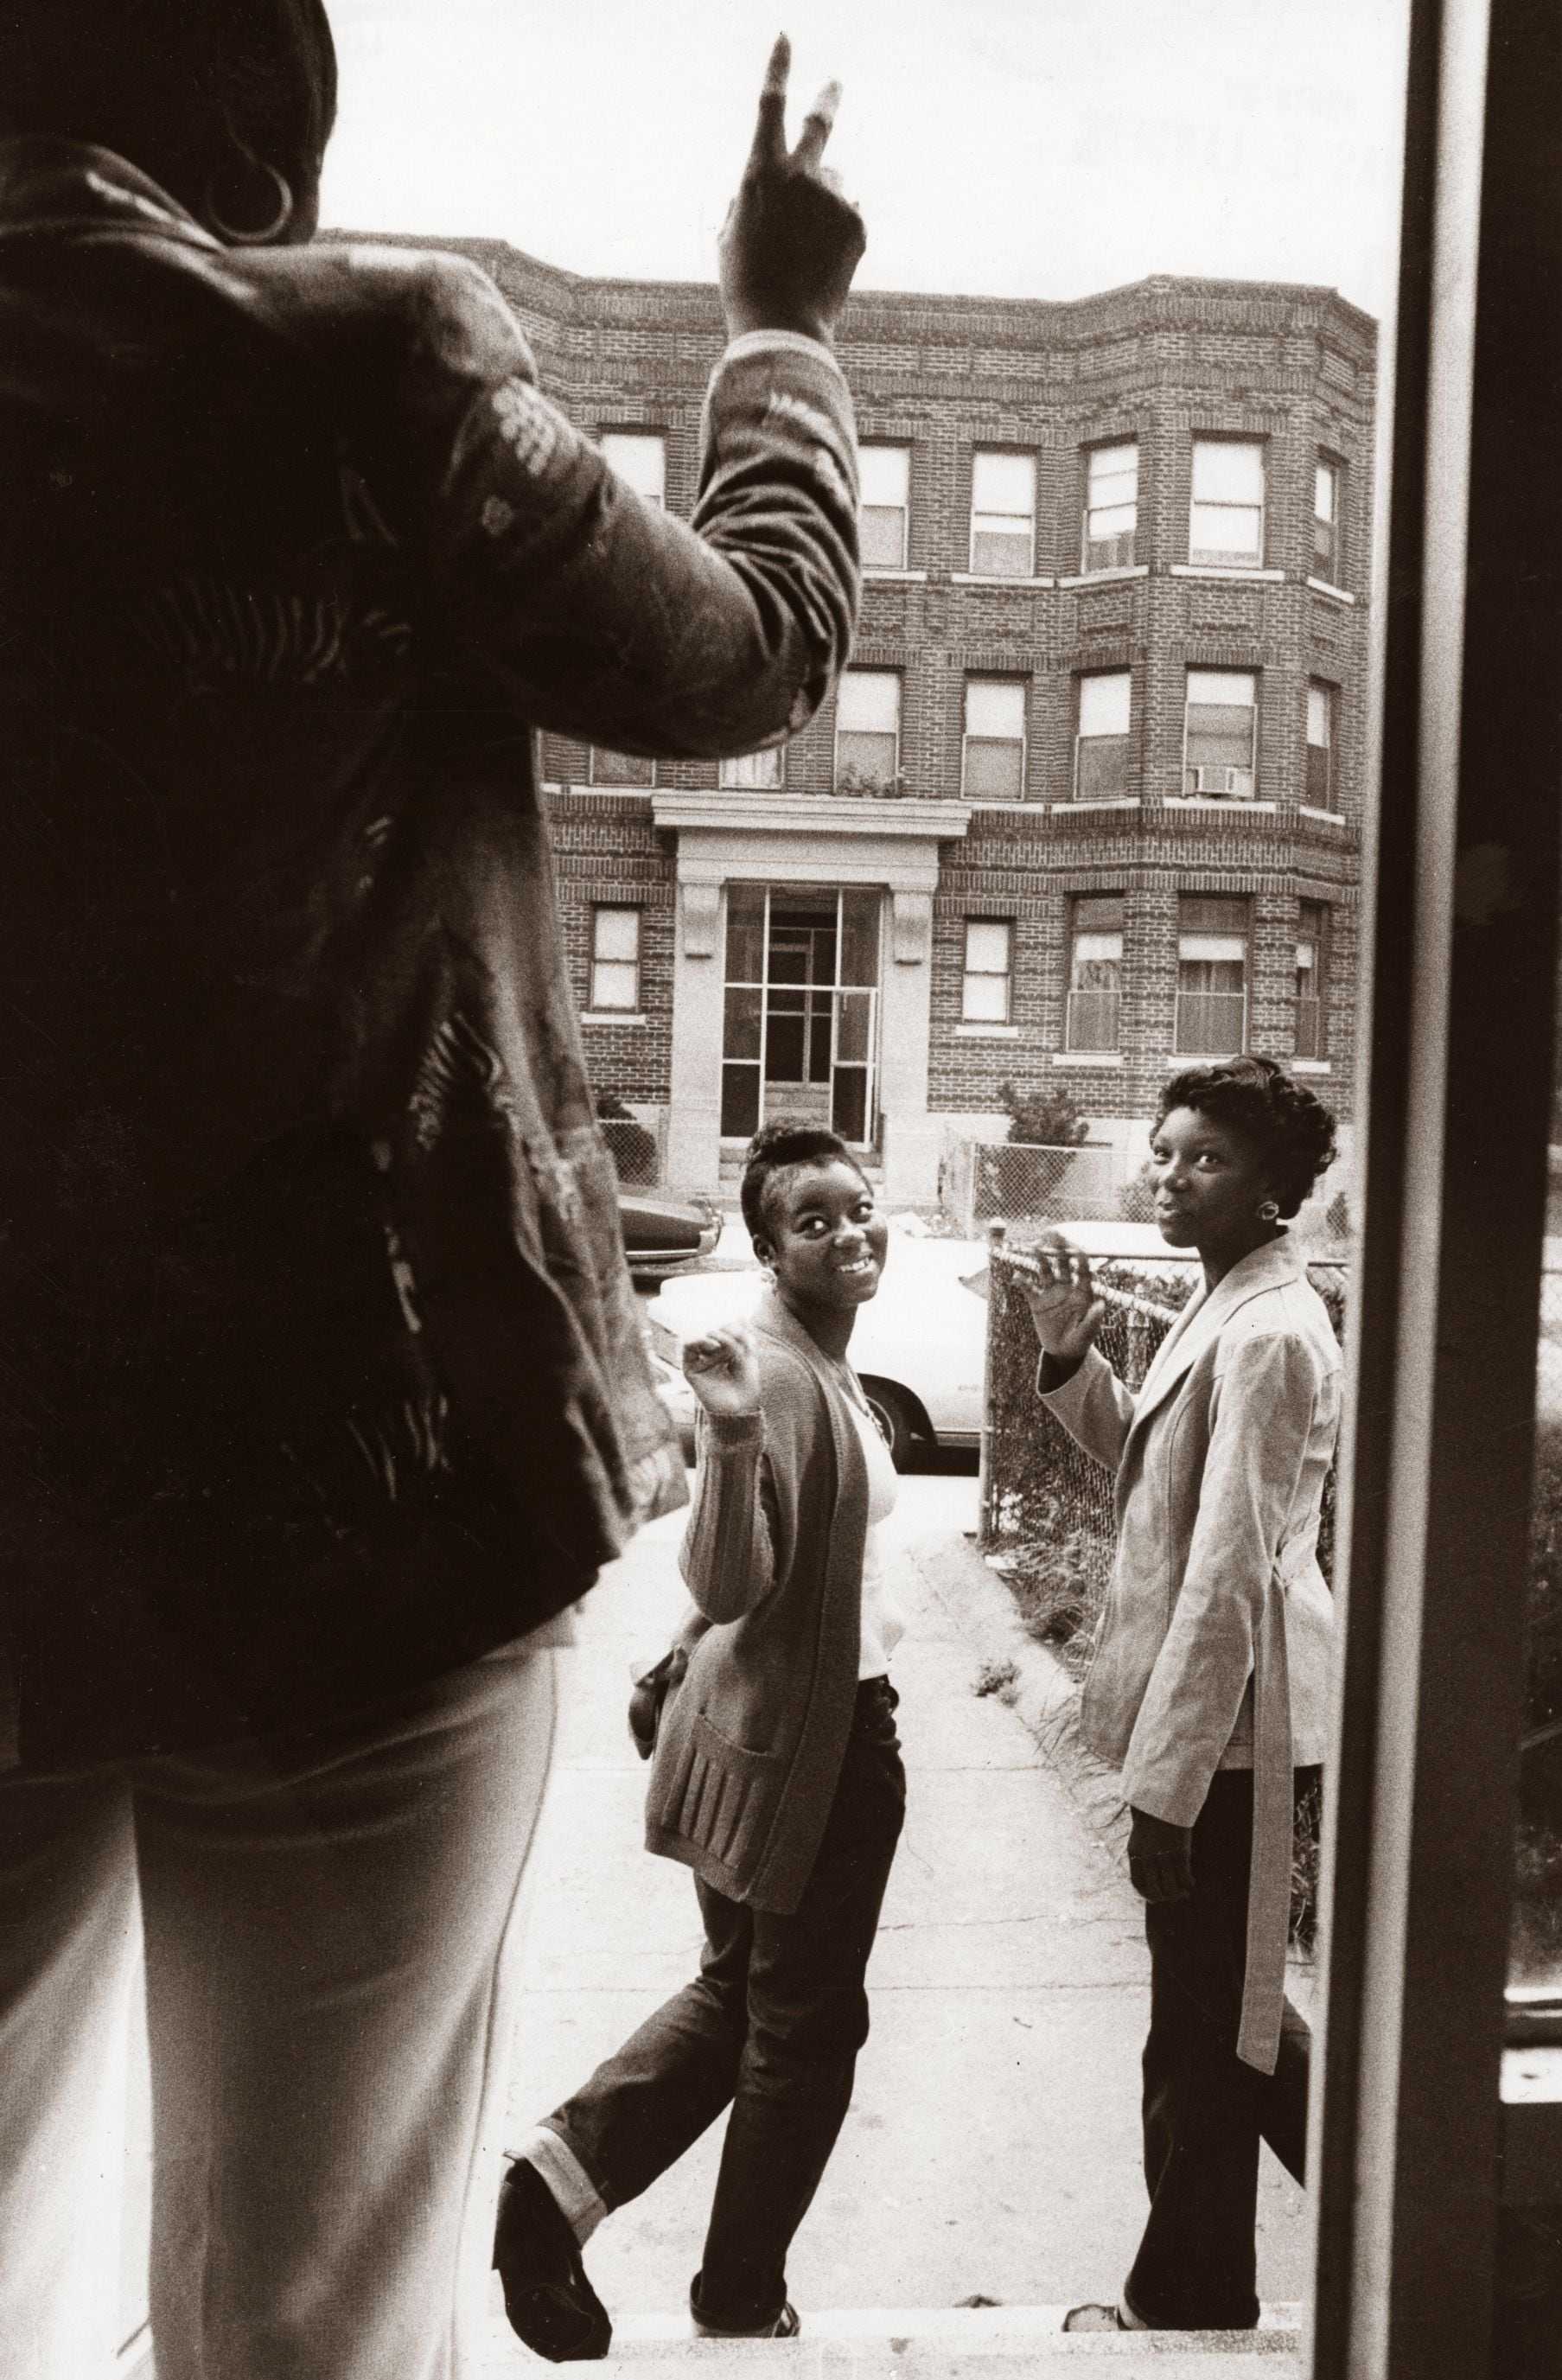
x: 1089, y: 799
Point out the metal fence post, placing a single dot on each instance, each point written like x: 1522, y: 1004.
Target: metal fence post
x: 997, y: 1235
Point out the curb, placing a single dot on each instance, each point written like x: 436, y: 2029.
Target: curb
x: 1043, y: 1695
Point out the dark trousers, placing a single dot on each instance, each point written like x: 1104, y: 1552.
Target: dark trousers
x: 771, y: 2027
x: 1206, y: 2112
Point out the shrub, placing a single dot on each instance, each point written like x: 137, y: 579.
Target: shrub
x: 1049, y: 1118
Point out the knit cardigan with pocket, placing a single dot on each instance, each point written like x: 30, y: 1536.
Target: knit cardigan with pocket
x: 750, y: 1745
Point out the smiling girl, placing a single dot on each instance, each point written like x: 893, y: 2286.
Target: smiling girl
x: 777, y: 1777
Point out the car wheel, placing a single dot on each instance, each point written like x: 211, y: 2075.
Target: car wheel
x: 895, y: 1414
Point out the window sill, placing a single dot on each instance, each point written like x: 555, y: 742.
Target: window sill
x: 1332, y: 594
x: 896, y: 578
x: 579, y: 785
x: 1240, y: 572
x: 1087, y: 1057
x: 1312, y: 1066
x: 1097, y: 802
x: 976, y: 579
x: 613, y: 1016
x: 1217, y: 802
x: 987, y: 1033
x: 1107, y: 578
x: 1332, y: 818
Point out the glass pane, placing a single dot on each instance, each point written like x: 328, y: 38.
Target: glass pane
x: 1228, y: 533
x: 1323, y: 498
x: 860, y: 913
x: 641, y: 458
x: 853, y: 1027
x: 995, y: 706
x: 753, y: 771
x: 869, y: 701
x: 740, y: 1102
x: 994, y: 771
x: 1212, y: 913
x: 848, y: 1104
x: 870, y: 759
x: 1098, y: 913
x: 1320, y: 777
x: 987, y: 945
x: 883, y: 474
x: 1210, y: 1025
x: 1206, y: 962
x: 746, y: 933
x: 740, y: 1036
x: 1102, y: 771
x: 998, y: 552
x: 882, y: 538
x: 985, y: 999
x: 1228, y: 471
x: 617, y: 933
x: 1098, y: 958
x: 1104, y: 702
x: 1093, y: 1018
x: 1112, y: 520
x: 621, y: 768
x: 1317, y: 714
x: 1221, y: 686
x: 614, y: 985
x: 786, y: 1038
x: 1003, y: 484
x: 1114, y: 476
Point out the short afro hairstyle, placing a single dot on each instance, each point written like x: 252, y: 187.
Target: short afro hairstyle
x: 776, y: 1148
x: 1291, y: 1129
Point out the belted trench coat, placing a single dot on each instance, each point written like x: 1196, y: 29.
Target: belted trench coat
x: 1213, y: 1648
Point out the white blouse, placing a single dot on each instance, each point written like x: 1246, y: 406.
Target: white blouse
x: 882, y: 1625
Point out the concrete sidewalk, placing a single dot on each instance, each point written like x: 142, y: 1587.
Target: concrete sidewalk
x: 992, y: 2149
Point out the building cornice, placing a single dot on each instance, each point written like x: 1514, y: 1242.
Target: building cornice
x: 812, y: 814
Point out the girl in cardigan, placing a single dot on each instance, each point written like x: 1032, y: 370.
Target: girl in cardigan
x: 777, y: 1777
x: 1208, y: 1684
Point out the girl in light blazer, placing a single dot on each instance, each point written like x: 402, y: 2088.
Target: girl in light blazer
x: 1208, y: 1683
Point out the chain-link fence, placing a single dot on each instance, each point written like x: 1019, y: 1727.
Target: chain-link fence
x: 1045, y: 1502
x: 635, y: 1150
x: 986, y: 1181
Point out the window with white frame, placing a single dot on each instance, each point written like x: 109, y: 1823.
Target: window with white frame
x: 1326, y: 479
x: 1212, y: 948
x: 1111, y: 507
x: 754, y: 773
x: 1106, y: 698
x: 639, y: 458
x: 1312, y: 980
x: 994, y: 762
x: 884, y: 474
x: 1220, y: 735
x: 1226, y: 528
x: 985, y: 987
x: 615, y: 958
x: 1002, y: 515
x: 610, y: 768
x: 868, y: 729
x: 1323, y: 715
x: 1094, y: 971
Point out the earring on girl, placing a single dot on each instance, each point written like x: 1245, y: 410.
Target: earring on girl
x: 1268, y: 1211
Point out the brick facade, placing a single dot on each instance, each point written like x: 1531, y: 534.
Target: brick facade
x: 1162, y: 363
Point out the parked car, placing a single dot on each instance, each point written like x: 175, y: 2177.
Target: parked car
x: 663, y: 1232
x: 919, y: 1347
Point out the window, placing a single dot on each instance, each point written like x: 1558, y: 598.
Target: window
x: 867, y: 730
x: 754, y: 773
x: 1211, y: 975
x: 639, y: 457
x: 1002, y: 515
x: 1326, y: 521
x: 1227, y: 526
x: 1312, y: 980
x: 1101, y: 746
x: 621, y: 768
x: 1221, y: 733
x: 994, y: 739
x: 615, y: 958
x: 885, y: 474
x: 1112, y: 507
x: 1094, y: 971
x: 1323, y: 701
x: 984, y: 995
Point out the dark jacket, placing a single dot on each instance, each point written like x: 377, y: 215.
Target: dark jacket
x: 749, y: 1750
x: 320, y: 1370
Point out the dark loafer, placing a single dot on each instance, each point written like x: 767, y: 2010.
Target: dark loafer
x: 550, y: 2304
x: 786, y: 2324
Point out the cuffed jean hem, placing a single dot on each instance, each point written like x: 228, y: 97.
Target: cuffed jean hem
x: 571, y: 2187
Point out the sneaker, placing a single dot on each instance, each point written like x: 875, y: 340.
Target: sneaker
x: 549, y: 2302
x: 786, y: 2324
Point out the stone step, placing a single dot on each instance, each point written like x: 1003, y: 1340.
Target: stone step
x: 932, y: 2343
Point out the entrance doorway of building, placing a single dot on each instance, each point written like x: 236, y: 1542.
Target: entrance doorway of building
x: 801, y: 1031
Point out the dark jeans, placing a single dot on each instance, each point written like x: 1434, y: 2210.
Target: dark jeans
x: 772, y: 2027
x: 1206, y: 2112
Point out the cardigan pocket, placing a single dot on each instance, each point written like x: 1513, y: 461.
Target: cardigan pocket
x: 728, y: 1795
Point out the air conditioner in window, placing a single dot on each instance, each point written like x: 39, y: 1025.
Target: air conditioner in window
x: 1229, y: 784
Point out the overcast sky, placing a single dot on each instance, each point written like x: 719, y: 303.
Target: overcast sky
x: 1032, y: 148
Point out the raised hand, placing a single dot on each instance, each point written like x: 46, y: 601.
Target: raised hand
x: 1064, y: 1306
x: 722, y: 1368
x: 791, y: 242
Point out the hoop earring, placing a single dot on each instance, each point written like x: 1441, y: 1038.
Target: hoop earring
x: 263, y: 235
x: 1268, y: 1211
